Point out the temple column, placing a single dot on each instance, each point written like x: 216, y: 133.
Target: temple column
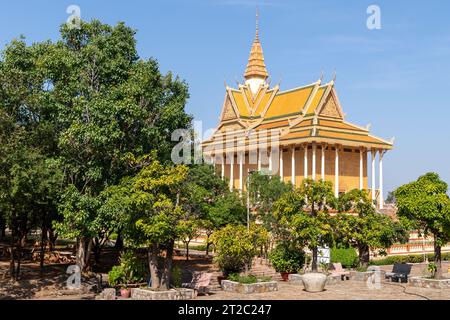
x: 270, y: 161
x: 232, y: 173
x: 305, y: 162
x: 241, y: 172
x: 259, y: 160
x: 314, y: 147
x: 293, y: 166
x: 381, y: 202
x: 374, y: 154
x: 361, y: 169
x: 336, y: 173
x: 223, y: 166
x: 214, y: 163
x: 281, y: 164
x: 323, y: 163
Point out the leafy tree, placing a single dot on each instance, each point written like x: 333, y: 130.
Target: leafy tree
x: 424, y: 205
x: 302, y: 216
x: 367, y: 229
x: 390, y: 198
x: 235, y: 248
x: 264, y: 191
x: 156, y: 215
x: 188, y: 230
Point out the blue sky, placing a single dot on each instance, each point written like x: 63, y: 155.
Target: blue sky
x: 396, y: 78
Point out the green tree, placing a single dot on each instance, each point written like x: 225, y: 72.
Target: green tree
x: 187, y: 231
x: 235, y: 248
x: 264, y: 191
x: 424, y: 205
x: 302, y: 216
x: 367, y: 229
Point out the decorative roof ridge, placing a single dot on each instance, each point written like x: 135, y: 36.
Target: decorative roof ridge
x: 298, y: 88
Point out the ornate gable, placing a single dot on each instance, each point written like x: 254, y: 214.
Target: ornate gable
x: 330, y: 108
x: 228, y: 110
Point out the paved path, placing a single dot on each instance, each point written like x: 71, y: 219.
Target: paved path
x: 345, y: 290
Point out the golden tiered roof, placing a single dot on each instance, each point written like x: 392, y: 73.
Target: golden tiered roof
x: 311, y: 113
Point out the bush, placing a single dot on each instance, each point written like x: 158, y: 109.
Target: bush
x: 287, y: 258
x: 115, y: 276
x: 249, y: 279
x: 234, y: 248
x: 177, y: 277
x: 412, y: 258
x: 346, y: 256
x: 131, y: 270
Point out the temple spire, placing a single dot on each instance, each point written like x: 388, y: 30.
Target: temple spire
x: 256, y: 73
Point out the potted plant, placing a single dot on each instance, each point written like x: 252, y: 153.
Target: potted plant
x: 287, y: 259
x: 130, y: 271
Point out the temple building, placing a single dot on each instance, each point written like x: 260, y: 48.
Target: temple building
x: 295, y: 134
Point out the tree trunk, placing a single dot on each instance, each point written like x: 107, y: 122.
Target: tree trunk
x: 187, y: 251
x: 19, y: 257
x: 84, y: 253
x: 119, y: 241
x: 207, y: 247
x: 3, y: 233
x: 364, y: 256
x: 153, y: 266
x: 52, y: 236
x: 97, y: 249
x: 43, y: 246
x: 167, y: 274
x: 314, y: 259
x: 12, y: 263
x: 437, y: 259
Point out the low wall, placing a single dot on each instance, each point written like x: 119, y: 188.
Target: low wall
x: 173, y: 294
x: 258, y: 287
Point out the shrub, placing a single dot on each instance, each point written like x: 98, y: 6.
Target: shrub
x: 131, y: 270
x: 248, y: 279
x: 412, y: 258
x: 115, y: 276
x: 346, y: 256
x: 177, y: 275
x: 287, y: 258
x: 234, y: 248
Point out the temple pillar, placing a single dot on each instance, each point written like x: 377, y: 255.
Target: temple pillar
x: 241, y: 172
x: 305, y: 162
x: 381, y: 202
x: 314, y: 148
x: 281, y: 164
x: 336, y: 172
x: 374, y: 154
x: 232, y: 173
x: 361, y: 169
x: 293, y: 166
x: 322, y: 176
x: 259, y: 160
x: 223, y: 167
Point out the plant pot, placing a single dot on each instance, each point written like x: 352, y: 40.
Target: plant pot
x: 125, y: 293
x: 285, y: 275
x: 314, y: 282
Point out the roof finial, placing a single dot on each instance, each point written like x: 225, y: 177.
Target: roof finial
x: 257, y: 22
